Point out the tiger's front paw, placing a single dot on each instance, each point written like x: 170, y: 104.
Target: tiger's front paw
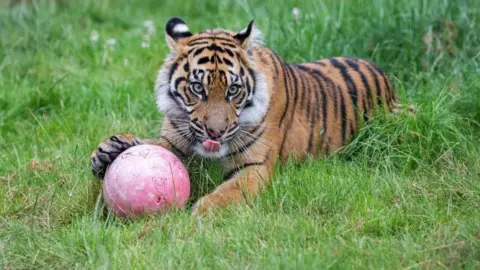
x: 109, y: 150
x: 216, y: 200
x: 203, y: 206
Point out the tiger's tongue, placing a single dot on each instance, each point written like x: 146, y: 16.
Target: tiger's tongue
x: 211, y: 146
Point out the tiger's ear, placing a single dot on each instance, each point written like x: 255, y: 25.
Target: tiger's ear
x: 249, y: 36
x: 176, y: 30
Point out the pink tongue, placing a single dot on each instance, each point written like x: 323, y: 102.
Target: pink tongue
x: 211, y: 146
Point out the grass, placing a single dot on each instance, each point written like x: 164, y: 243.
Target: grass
x: 404, y: 194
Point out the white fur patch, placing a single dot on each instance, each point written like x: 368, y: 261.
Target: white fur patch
x: 256, y: 36
x: 165, y: 103
x: 224, y: 150
x: 261, y: 101
x: 180, y: 28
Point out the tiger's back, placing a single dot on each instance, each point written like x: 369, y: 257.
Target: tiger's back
x: 317, y: 107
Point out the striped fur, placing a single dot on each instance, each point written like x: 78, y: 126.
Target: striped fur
x: 222, y: 83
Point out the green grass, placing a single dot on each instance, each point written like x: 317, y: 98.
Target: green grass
x: 404, y: 194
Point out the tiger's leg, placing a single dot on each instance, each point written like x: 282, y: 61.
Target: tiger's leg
x: 109, y: 149
x: 243, y: 183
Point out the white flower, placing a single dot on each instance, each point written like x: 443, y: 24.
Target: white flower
x: 94, y: 36
x: 150, y: 26
x: 111, y: 42
x: 296, y: 13
x: 145, y: 44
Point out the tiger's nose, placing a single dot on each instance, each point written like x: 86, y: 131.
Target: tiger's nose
x: 215, y: 134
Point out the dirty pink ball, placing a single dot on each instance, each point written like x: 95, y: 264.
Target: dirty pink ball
x: 145, y: 179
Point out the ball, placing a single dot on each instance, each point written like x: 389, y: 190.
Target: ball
x: 145, y: 179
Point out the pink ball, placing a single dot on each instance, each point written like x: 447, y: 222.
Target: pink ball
x: 146, y: 179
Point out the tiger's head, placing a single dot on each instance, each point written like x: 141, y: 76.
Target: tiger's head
x: 210, y: 86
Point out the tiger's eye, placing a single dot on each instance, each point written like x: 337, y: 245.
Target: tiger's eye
x: 197, y: 88
x: 233, y: 90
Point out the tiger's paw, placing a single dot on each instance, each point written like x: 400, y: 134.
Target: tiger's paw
x: 204, y: 205
x: 109, y: 150
x: 215, y: 201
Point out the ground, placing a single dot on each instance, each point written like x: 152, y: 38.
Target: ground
x: 404, y: 194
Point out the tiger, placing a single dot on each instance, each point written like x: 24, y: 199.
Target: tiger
x: 225, y: 95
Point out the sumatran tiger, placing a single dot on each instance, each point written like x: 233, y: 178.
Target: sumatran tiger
x: 226, y: 96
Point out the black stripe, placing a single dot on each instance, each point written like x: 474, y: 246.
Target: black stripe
x: 302, y: 99
x: 324, y: 108
x: 195, y: 74
x: 232, y: 173
x: 228, y: 62
x: 368, y: 99
x: 335, y: 102
x: 387, y: 84
x: 287, y: 94
x: 103, y: 151
x: 230, y: 45
x: 275, y: 74
x: 316, y: 74
x: 249, y: 86
x: 352, y: 88
x: 352, y: 129
x: 295, y: 98
x: 178, y: 81
x: 231, y: 128
x: 308, y: 97
x: 230, y: 53
x: 315, y: 117
x: 196, y: 127
x: 253, y: 76
x: 377, y: 85
x: 243, y: 95
x: 309, y: 118
x: 175, y: 148
x: 198, y: 43
x: 344, y: 115
x: 116, y: 139
x: 172, y: 96
x: 199, y: 51
x: 172, y: 70
x: 177, y: 130
x: 213, y: 38
x: 187, y: 95
x: 214, y: 47
x: 316, y: 109
x: 186, y: 103
x: 203, y: 60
